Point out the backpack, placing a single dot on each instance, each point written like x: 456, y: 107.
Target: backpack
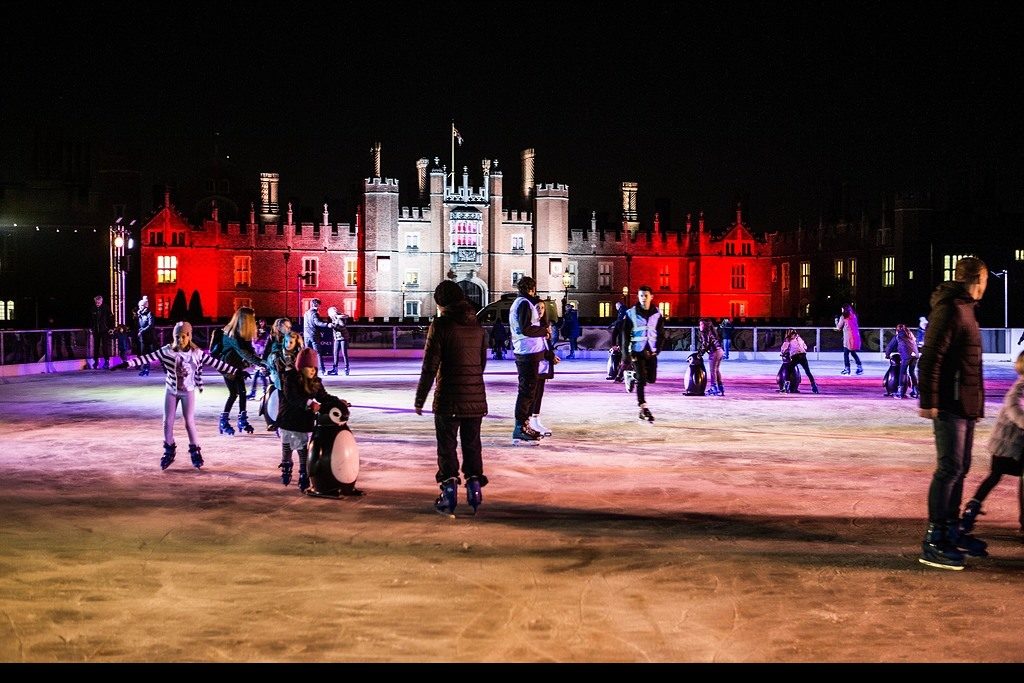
x: 217, y: 342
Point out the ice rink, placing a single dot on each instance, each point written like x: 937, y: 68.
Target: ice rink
x: 754, y: 527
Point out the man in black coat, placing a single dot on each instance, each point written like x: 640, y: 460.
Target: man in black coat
x: 952, y: 395
x: 100, y: 323
x: 454, y: 359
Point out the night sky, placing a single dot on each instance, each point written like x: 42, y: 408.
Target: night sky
x: 773, y: 104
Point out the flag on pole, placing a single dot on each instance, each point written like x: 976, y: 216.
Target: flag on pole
x: 456, y: 135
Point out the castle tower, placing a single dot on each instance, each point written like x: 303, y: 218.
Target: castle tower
x: 551, y: 231
x: 421, y: 179
x: 629, y: 216
x: 528, y: 179
x: 270, y: 208
x: 381, y: 276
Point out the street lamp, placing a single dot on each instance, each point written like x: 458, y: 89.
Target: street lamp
x: 1005, y: 275
x: 566, y: 283
x: 625, y: 294
x: 403, y: 301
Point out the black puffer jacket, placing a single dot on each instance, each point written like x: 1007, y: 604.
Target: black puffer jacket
x: 950, y: 367
x: 455, y: 354
x: 295, y: 413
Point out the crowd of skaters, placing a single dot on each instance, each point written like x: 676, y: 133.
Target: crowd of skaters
x: 946, y: 354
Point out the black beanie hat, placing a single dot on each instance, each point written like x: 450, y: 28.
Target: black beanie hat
x: 448, y: 294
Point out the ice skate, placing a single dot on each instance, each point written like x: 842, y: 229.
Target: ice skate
x: 645, y: 414
x: 168, y: 458
x: 525, y: 434
x: 303, y: 481
x: 860, y: 369
x: 446, y: 502
x: 332, y: 371
x: 938, y: 552
x: 243, y: 423
x: 536, y: 425
x: 630, y: 379
x: 473, y: 494
x: 975, y: 547
x: 846, y: 371
x: 286, y: 471
x: 197, y: 456
x: 971, y: 512
x: 225, y: 425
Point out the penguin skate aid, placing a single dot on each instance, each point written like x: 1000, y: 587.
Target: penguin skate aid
x: 454, y: 358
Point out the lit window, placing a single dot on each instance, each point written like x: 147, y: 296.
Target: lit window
x: 412, y: 279
x: 739, y: 277
x: 785, y: 277
x: 412, y: 309
x: 518, y: 243
x: 604, y: 309
x: 412, y: 241
x: 888, y: 271
x: 351, y: 272
x: 839, y: 268
x: 166, y: 269
x: 243, y: 271
x: 1018, y: 254
x: 805, y: 275
x: 310, y: 272
x: 604, y: 275
x: 666, y: 308
x: 949, y: 265
x: 853, y: 272
x: 3, y: 312
x: 570, y: 268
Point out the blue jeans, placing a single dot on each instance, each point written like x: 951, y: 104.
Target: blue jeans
x: 954, y: 437
x: 846, y: 358
x: 726, y: 343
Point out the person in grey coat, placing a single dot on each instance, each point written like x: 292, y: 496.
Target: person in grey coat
x: 1006, y: 445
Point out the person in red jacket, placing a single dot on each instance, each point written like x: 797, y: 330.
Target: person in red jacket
x: 952, y: 396
x: 454, y: 359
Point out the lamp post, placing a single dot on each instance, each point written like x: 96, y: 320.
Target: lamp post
x: 566, y: 283
x: 119, y: 238
x: 625, y: 295
x: 402, y: 315
x: 1005, y: 275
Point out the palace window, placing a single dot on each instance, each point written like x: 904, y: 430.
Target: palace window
x: 352, y: 272
x: 243, y: 271
x: 604, y: 275
x: 839, y: 268
x: 518, y: 243
x: 166, y: 269
x: 604, y: 309
x: 516, y: 276
x: 571, y: 268
x: 666, y: 308
x: 853, y: 273
x: 311, y: 272
x: 178, y: 239
x: 888, y: 271
x: 412, y: 309
x: 240, y: 301
x: 805, y: 275
x: 746, y: 248
x: 412, y: 279
x: 1018, y: 254
x: 949, y: 265
x: 663, y: 278
x: 739, y: 277
x: 412, y: 241
x: 785, y: 277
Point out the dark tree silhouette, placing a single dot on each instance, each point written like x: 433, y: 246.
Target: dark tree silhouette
x: 195, y: 308
x: 179, y: 309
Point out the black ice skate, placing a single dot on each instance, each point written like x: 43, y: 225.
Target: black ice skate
x: 169, y: 451
x: 473, y: 494
x: 197, y: 456
x: 971, y: 512
x: 286, y: 472
x: 645, y: 415
x: 938, y: 552
x: 303, y: 481
x: 975, y: 547
x: 446, y: 502
x: 525, y: 434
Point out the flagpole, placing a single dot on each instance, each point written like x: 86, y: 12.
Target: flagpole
x: 453, y: 156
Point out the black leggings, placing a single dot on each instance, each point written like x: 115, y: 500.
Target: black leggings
x: 1000, y: 467
x: 801, y: 360
x: 236, y: 389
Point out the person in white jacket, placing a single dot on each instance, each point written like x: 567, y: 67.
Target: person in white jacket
x: 796, y: 348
